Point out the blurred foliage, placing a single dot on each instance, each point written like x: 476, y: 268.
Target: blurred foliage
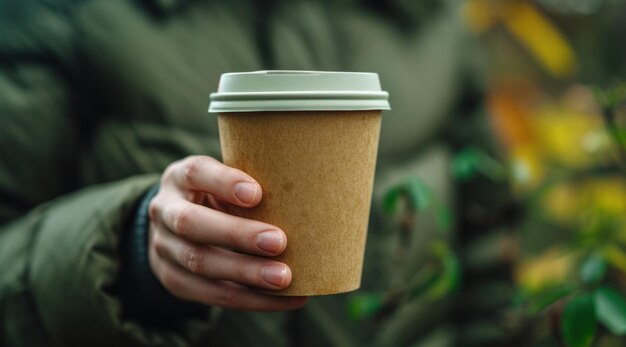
x: 560, y: 117
x: 567, y: 170
x: 439, y: 277
x: 417, y: 197
x: 555, y: 103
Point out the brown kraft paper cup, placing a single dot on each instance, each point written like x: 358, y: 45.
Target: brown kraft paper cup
x: 316, y: 169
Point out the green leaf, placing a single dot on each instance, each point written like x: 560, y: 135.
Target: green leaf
x: 422, y: 198
x: 364, y: 305
x: 470, y: 161
x: 449, y: 279
x: 419, y: 193
x: 611, y: 309
x: 578, y: 324
x: 390, y: 201
x: 593, y: 269
x: 546, y: 298
x: 464, y: 165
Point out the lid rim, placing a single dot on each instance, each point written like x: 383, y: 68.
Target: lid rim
x: 297, y: 105
x: 288, y: 95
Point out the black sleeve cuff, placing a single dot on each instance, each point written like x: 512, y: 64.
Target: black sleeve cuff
x: 143, y: 296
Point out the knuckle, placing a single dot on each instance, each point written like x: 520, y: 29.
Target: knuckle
x: 193, y: 259
x: 158, y: 244
x: 193, y: 165
x: 154, y: 208
x: 230, y: 298
x: 226, y: 172
x: 169, y: 171
x: 240, y: 271
x: 181, y: 219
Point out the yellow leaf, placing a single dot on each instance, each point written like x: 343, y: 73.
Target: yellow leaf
x: 541, y: 38
x: 548, y: 269
x: 562, y: 203
x: 604, y: 197
x: 608, y: 195
x: 565, y: 136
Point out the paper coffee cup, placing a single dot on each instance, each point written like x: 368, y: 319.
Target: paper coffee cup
x: 310, y: 139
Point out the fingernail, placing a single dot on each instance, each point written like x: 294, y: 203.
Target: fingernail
x: 274, y: 275
x: 246, y: 192
x: 270, y: 241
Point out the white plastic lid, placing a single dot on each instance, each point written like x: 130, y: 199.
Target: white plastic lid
x: 283, y: 90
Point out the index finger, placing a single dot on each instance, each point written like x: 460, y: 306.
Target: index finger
x: 209, y: 175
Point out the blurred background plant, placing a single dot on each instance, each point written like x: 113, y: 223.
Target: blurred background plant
x: 558, y: 109
x: 553, y: 273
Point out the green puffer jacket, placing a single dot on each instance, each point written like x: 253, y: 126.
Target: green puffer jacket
x: 97, y: 97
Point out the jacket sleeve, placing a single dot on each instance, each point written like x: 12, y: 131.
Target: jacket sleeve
x: 59, y: 243
x: 60, y: 265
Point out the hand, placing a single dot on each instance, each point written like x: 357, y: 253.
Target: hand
x: 201, y: 253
